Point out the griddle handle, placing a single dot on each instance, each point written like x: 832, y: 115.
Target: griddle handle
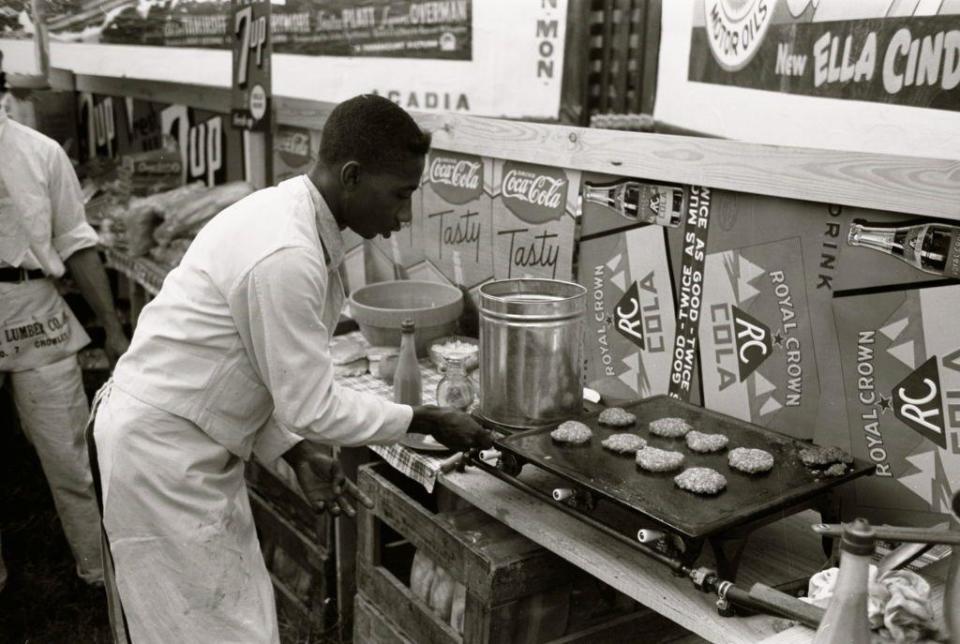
x: 449, y: 464
x: 786, y: 605
x: 896, y: 533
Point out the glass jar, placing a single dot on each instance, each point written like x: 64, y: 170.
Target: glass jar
x: 455, y: 389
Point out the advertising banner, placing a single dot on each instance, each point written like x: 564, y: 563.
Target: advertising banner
x: 879, y: 77
x: 382, y: 28
x: 756, y: 338
x: 886, y: 55
x: 112, y: 126
x: 457, y: 217
x: 16, y: 21
x: 533, y: 220
x: 294, y: 151
x: 900, y: 356
x: 18, y: 48
x: 496, y: 58
x: 252, y: 44
x: 628, y: 343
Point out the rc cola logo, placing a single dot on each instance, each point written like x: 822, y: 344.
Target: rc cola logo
x: 536, y: 194
x: 293, y: 146
x: 456, y: 178
x: 753, y: 340
x: 918, y: 402
x: 736, y: 28
x: 627, y: 316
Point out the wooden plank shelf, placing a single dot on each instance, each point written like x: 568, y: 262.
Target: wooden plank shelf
x: 908, y: 185
x: 144, y: 271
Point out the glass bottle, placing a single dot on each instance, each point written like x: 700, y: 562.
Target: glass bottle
x: 455, y: 389
x: 407, y: 384
x: 845, y: 621
x: 639, y: 202
x: 931, y: 247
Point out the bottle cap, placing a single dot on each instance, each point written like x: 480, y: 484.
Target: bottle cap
x: 407, y: 326
x: 859, y: 537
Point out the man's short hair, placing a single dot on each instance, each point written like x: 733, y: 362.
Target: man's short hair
x: 374, y: 131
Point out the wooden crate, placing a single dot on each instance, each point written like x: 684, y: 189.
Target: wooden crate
x: 506, y: 575
x: 371, y: 626
x: 296, y: 549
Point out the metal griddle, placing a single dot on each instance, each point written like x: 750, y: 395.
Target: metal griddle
x: 617, y: 478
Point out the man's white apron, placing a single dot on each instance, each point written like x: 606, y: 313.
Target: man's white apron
x: 177, y: 517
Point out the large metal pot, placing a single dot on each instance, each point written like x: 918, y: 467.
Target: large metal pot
x: 531, y: 341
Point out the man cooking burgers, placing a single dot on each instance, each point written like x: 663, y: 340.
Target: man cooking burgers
x: 232, y: 358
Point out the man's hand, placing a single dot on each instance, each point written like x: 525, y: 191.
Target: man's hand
x: 322, y: 480
x: 453, y: 428
x: 87, y: 271
x: 115, y: 345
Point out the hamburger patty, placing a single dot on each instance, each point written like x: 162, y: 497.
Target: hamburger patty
x: 571, y: 431
x: 823, y: 456
x: 700, y: 480
x: 653, y: 459
x: 624, y: 443
x: 750, y: 460
x: 706, y: 443
x: 616, y: 417
x: 670, y: 427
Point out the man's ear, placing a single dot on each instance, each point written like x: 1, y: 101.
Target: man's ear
x: 350, y: 175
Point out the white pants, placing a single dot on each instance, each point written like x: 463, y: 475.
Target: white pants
x: 177, y: 517
x: 52, y: 409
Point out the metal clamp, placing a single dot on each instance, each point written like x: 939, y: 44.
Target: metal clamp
x: 703, y: 578
x: 724, y: 608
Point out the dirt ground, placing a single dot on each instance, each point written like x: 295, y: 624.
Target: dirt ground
x: 44, y: 601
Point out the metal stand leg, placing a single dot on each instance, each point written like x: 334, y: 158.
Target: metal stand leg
x: 728, y: 551
x: 828, y: 505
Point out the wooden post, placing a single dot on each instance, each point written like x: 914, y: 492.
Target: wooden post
x: 345, y: 530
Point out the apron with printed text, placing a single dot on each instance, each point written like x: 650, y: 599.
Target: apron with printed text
x: 36, y: 326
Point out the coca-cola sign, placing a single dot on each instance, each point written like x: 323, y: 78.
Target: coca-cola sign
x: 536, y: 194
x: 293, y: 146
x: 456, y: 178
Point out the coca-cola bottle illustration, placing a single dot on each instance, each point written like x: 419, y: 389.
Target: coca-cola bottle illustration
x: 932, y: 247
x: 639, y: 202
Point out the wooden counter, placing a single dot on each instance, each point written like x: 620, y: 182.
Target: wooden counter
x: 780, y: 552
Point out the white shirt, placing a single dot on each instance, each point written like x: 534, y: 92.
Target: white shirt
x: 239, y: 332
x: 42, y: 220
